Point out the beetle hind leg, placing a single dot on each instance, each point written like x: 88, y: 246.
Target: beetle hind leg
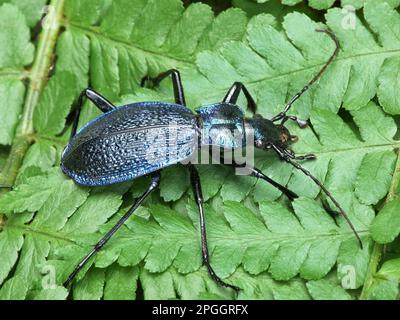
x: 301, y: 123
x: 290, y: 154
x: 98, y: 100
x: 155, y: 181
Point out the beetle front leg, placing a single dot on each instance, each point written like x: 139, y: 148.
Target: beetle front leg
x: 290, y: 154
x: 233, y: 94
x: 301, y: 123
x: 309, y: 156
x: 198, y: 196
x: 257, y: 173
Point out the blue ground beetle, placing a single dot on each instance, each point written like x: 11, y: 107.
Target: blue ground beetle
x: 116, y: 147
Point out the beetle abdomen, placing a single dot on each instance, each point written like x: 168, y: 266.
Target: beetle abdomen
x: 129, y: 142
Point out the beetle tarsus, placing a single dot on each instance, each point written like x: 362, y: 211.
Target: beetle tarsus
x: 301, y: 123
x: 309, y: 156
x: 333, y: 213
x: 218, y: 280
x: 144, y: 80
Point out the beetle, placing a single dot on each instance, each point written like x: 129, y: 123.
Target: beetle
x: 137, y: 139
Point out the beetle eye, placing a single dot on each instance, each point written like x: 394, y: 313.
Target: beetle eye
x: 294, y: 138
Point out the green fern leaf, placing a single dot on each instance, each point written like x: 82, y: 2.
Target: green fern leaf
x: 270, y: 248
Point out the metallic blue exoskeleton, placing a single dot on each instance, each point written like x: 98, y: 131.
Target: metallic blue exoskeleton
x: 143, y: 138
x: 140, y: 138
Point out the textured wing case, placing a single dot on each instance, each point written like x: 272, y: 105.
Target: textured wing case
x: 129, y: 142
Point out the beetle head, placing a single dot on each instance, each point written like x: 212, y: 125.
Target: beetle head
x: 267, y: 133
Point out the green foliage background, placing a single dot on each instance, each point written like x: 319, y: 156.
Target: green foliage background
x: 260, y: 242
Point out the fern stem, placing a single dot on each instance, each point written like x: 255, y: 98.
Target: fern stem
x: 38, y: 79
x: 41, y: 66
x: 377, y: 250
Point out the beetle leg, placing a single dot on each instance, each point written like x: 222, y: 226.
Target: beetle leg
x: 290, y: 154
x: 334, y: 214
x: 176, y: 82
x: 198, y: 196
x: 301, y: 123
x: 233, y: 94
x: 257, y: 173
x: 155, y: 181
x: 98, y: 100
x: 287, y: 192
x: 308, y: 156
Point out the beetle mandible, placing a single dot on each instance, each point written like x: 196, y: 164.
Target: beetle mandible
x: 124, y: 143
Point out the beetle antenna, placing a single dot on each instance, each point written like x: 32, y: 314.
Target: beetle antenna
x: 6, y: 187
x: 282, y: 115
x: 285, y: 156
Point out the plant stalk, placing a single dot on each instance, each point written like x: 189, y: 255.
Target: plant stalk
x: 37, y: 80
